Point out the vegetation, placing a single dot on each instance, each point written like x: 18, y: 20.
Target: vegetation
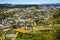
x: 30, y: 23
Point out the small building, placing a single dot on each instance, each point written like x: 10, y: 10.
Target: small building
x: 10, y: 35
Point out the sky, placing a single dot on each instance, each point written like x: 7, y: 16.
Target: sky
x: 29, y: 1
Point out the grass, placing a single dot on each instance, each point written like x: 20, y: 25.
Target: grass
x: 43, y: 34
x: 7, y: 38
x: 35, y: 36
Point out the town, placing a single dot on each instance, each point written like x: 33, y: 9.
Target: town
x: 30, y: 23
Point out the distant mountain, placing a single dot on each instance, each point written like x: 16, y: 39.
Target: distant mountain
x: 53, y: 4
x: 27, y: 5
x: 6, y: 5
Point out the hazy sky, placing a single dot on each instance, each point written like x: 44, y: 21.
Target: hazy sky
x: 29, y: 1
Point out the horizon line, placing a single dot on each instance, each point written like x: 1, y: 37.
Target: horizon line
x: 27, y: 3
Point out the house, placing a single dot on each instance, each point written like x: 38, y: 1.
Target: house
x: 10, y: 35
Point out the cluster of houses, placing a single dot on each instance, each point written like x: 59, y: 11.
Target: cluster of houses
x: 26, y: 18
x: 29, y: 14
